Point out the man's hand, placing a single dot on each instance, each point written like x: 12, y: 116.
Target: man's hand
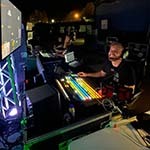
x: 82, y: 74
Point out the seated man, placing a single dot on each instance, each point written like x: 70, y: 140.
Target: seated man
x: 121, y: 73
x: 63, y: 46
x: 59, y: 43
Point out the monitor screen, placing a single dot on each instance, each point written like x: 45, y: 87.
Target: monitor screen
x: 10, y: 19
x: 69, y: 57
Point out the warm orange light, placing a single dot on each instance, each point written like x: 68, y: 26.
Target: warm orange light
x: 76, y: 16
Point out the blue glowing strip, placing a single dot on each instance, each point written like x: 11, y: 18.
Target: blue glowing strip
x: 82, y: 90
x: 89, y: 89
x: 76, y: 90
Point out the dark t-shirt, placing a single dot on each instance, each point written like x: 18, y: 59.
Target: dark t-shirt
x: 122, y: 75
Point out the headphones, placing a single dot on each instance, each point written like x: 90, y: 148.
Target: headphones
x: 123, y: 52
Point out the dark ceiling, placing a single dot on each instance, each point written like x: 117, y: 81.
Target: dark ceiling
x: 53, y: 8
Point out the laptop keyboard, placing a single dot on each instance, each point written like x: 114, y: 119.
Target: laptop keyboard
x: 74, y: 63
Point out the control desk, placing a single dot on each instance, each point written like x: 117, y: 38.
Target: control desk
x: 82, y: 95
x: 79, y: 89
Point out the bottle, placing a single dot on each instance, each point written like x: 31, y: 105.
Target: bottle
x: 72, y: 110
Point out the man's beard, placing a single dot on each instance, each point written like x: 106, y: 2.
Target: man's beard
x: 114, y: 59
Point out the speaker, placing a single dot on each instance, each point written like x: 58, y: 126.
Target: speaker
x: 43, y: 104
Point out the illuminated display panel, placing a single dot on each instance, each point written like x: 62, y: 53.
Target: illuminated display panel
x: 10, y: 28
x: 79, y: 87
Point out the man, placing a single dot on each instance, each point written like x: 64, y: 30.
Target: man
x: 116, y: 67
x: 64, y: 47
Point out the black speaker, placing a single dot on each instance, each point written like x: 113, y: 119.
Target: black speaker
x: 44, y: 105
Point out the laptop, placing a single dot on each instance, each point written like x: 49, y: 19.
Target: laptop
x: 71, y: 60
x: 46, y: 55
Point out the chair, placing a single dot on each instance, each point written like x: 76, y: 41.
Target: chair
x: 40, y: 69
x: 35, y: 72
x: 137, y: 57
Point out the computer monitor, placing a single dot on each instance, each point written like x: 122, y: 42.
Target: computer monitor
x: 10, y: 20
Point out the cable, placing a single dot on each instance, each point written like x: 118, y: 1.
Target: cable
x: 58, y: 95
x: 147, y: 139
x: 107, y: 104
x: 131, y: 138
x: 143, y: 138
x: 62, y: 90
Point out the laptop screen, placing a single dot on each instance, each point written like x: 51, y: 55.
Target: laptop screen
x: 69, y: 57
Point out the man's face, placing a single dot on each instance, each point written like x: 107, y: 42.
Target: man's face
x: 114, y: 53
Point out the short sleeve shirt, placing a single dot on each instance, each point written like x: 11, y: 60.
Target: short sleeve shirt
x: 123, y: 74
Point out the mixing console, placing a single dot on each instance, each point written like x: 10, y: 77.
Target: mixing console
x: 79, y: 88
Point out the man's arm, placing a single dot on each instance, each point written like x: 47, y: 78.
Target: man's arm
x: 100, y: 73
x: 131, y: 87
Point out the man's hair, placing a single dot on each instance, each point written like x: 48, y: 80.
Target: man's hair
x: 118, y: 45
